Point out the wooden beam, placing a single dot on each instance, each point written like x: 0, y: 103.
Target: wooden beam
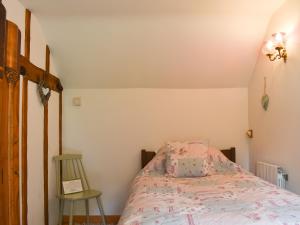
x: 46, y: 152
x: 4, y: 201
x: 24, y: 151
x: 27, y: 33
x: 35, y: 74
x: 46, y: 207
x: 2, y: 38
x: 60, y: 122
x: 25, y: 122
x: 47, y: 66
x: 13, y: 39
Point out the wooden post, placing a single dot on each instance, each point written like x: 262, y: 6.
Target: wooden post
x: 12, y: 78
x: 11, y: 65
x: 3, y: 121
x: 60, y: 121
x: 46, y: 194
x: 25, y: 122
x: 2, y: 38
x: 27, y: 33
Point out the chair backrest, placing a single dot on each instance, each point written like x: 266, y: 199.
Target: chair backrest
x: 69, y: 167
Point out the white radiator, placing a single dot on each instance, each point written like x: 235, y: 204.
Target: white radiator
x: 272, y: 173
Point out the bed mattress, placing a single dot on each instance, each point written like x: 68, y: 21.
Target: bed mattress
x: 230, y: 198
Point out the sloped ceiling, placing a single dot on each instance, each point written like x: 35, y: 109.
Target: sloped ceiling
x: 154, y: 44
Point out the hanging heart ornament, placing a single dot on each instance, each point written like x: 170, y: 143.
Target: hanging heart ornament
x: 265, y: 98
x: 44, y: 91
x: 265, y: 102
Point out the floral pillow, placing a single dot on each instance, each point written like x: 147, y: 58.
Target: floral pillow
x: 219, y: 163
x: 188, y: 159
x: 158, y: 163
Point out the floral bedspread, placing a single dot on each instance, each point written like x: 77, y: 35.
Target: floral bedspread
x: 229, y: 198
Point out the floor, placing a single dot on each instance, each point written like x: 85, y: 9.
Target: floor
x: 76, y: 223
x: 94, y: 220
x: 90, y: 224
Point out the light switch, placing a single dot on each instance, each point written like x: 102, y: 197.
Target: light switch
x: 76, y: 101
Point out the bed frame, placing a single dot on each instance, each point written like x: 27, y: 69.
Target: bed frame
x: 147, y: 156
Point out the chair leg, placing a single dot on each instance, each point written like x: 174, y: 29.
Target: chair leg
x: 87, y: 211
x: 61, y: 211
x: 101, y: 210
x: 71, y: 213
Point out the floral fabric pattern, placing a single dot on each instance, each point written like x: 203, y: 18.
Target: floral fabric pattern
x: 229, y: 196
x: 158, y: 163
x: 218, y: 162
x: 189, y: 159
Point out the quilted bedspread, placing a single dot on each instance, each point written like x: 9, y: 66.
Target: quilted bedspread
x: 230, y: 198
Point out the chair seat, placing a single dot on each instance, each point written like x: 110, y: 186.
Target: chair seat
x: 82, y: 195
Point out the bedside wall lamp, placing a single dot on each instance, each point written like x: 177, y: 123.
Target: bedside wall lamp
x: 249, y: 133
x: 275, y: 47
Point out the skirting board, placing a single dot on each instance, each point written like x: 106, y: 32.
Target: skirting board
x: 110, y: 219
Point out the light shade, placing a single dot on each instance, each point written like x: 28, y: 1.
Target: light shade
x: 279, y: 39
x: 269, y: 48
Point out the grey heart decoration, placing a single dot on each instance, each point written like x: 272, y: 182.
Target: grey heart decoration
x: 44, y: 92
x: 265, y: 102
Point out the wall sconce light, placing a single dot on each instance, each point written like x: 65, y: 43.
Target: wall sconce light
x: 249, y: 133
x: 275, y: 47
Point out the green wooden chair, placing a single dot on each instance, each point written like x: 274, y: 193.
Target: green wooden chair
x: 69, y: 167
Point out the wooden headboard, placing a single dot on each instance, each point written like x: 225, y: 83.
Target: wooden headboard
x: 147, y: 156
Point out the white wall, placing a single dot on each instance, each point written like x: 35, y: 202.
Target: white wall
x: 35, y: 160
x: 276, y: 132
x: 53, y: 149
x: 113, y: 125
x: 16, y: 14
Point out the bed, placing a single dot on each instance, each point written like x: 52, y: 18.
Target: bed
x: 231, y: 196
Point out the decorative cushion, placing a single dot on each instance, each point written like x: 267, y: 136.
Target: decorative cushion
x: 158, y: 163
x: 187, y: 159
x: 219, y: 163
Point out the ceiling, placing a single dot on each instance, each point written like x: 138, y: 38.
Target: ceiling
x: 154, y: 44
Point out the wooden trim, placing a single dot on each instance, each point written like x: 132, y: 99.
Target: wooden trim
x: 46, y: 208
x: 27, y: 33
x: 3, y: 121
x: 60, y: 121
x: 47, y: 66
x: 230, y: 153
x: 35, y: 74
x: 12, y: 65
x: 147, y: 156
x: 46, y: 152
x: 110, y: 219
x: 3, y: 151
x: 2, y: 38
x: 24, y: 151
x: 13, y: 134
x: 13, y: 44
x: 25, y: 122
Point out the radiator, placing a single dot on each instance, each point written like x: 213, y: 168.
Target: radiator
x: 272, y: 173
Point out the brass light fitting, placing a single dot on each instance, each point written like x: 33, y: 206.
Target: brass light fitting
x: 275, y: 48
x: 281, y: 54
